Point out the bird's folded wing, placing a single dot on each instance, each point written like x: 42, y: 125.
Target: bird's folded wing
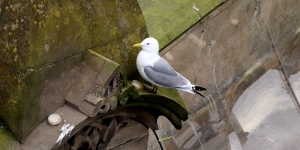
x: 164, y: 67
x: 163, y: 74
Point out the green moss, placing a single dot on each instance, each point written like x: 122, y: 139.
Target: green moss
x: 38, y: 38
x: 122, y: 54
x: 6, y: 139
x: 166, y: 20
x: 9, y: 97
x: 109, y: 28
x: 13, y: 33
x: 55, y: 37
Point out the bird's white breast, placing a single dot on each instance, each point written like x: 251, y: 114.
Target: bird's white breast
x: 145, y: 59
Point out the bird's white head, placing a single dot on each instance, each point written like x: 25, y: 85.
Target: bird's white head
x: 149, y: 45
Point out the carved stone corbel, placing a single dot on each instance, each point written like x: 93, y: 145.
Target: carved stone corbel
x: 98, y: 79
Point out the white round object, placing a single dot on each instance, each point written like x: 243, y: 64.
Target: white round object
x: 54, y: 119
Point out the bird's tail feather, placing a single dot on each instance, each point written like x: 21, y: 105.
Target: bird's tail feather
x: 196, y: 88
x: 199, y: 88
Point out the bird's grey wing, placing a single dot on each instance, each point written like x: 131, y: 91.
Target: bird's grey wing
x: 162, y: 66
x: 163, y: 74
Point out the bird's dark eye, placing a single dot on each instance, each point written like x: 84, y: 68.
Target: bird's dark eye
x: 148, y: 43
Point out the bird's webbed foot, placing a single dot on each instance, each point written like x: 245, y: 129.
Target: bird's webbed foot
x: 153, y: 90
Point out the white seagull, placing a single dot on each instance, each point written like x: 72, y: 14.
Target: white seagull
x: 158, y: 71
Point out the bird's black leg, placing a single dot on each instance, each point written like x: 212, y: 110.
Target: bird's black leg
x: 146, y: 88
x: 154, y: 89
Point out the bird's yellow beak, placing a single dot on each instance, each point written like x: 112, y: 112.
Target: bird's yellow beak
x: 138, y: 45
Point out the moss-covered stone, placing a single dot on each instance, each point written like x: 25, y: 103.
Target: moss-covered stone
x: 41, y: 40
x: 38, y: 33
x: 6, y: 139
x: 9, y: 97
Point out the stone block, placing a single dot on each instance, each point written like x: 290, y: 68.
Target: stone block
x: 41, y: 44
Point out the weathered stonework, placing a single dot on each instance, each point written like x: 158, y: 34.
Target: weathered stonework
x: 41, y: 40
x: 229, y: 51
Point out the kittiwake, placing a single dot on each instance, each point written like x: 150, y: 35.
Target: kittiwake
x: 158, y: 71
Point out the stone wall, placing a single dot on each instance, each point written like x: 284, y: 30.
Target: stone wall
x: 246, y: 53
x: 231, y: 52
x: 42, y: 40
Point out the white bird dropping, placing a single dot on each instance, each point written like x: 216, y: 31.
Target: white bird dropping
x: 158, y: 71
x: 65, y: 130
